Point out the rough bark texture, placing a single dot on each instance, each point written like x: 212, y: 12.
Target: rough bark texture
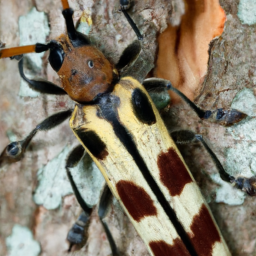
x: 231, y: 68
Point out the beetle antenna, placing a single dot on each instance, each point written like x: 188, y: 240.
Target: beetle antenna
x: 132, y: 24
x: 65, y: 4
x: 15, y: 51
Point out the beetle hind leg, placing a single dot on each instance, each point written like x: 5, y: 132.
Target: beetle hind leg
x: 77, y: 234
x: 105, y: 200
x: 186, y: 137
x: 247, y: 185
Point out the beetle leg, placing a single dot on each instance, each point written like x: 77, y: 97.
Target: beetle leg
x: 16, y: 150
x: 246, y: 184
x: 105, y: 201
x: 129, y: 55
x: 157, y: 90
x: 41, y: 86
x: 133, y: 25
x: 125, y: 5
x: 76, y: 233
x: 186, y: 137
x: 221, y: 116
x: 73, y: 159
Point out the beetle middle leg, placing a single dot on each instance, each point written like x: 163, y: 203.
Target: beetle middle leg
x: 220, y: 116
x: 76, y: 234
x: 15, y: 151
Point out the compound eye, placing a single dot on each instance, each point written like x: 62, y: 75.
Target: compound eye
x: 90, y: 64
x: 56, y: 56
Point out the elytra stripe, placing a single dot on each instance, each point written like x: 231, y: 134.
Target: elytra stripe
x: 204, y: 229
x: 108, y: 105
x: 161, y: 248
x: 170, y: 166
x: 136, y: 200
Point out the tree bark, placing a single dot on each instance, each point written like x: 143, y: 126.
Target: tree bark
x: 229, y: 80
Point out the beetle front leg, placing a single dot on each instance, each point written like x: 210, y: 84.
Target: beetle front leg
x: 42, y: 86
x: 225, y: 117
x: 76, y: 234
x: 129, y: 55
x: 15, y: 151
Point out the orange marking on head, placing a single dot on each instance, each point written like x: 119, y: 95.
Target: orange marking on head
x: 65, y: 4
x: 9, y: 52
x: 85, y: 72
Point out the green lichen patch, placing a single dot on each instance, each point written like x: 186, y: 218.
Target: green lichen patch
x: 226, y: 193
x: 245, y: 101
x: 241, y: 160
x: 247, y: 11
x: 21, y: 242
x: 88, y: 179
x: 53, y: 183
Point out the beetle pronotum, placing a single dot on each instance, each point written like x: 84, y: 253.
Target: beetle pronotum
x: 102, y: 154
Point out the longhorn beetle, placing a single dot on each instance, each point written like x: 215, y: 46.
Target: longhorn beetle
x: 117, y: 122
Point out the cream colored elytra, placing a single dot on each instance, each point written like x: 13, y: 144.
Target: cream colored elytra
x: 118, y: 165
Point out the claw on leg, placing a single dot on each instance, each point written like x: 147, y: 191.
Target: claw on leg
x: 247, y: 185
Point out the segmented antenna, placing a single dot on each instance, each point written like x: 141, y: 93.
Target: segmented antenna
x: 9, y: 52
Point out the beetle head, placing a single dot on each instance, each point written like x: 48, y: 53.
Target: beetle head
x: 85, y: 72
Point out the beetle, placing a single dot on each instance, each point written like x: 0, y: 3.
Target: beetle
x: 57, y: 53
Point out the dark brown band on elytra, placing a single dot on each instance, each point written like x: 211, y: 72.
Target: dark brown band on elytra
x: 204, y: 229
x: 136, y: 200
x: 161, y: 248
x: 108, y: 110
x: 173, y: 173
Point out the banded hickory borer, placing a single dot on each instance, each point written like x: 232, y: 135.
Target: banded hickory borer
x: 108, y: 109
